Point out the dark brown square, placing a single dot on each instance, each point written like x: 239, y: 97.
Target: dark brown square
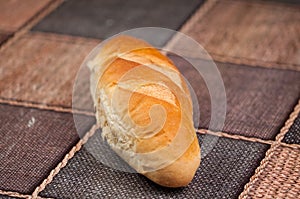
x: 32, y: 143
x: 223, y: 173
x: 293, y: 135
x: 102, y: 19
x: 259, y: 100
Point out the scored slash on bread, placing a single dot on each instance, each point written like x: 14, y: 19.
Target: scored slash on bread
x: 145, y: 110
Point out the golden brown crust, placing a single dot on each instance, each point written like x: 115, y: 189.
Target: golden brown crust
x: 128, y: 55
x: 181, y: 172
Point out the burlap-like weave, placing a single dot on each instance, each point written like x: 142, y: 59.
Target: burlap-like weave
x: 293, y: 135
x: 222, y: 174
x: 32, y: 143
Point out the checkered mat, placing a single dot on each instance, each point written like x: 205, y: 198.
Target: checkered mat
x: 255, y: 45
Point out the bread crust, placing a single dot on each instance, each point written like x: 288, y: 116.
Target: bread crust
x: 145, y: 109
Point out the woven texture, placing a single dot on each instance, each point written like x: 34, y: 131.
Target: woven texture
x: 15, y: 13
x: 281, y: 176
x: 251, y: 92
x: 101, y: 19
x: 293, y: 135
x: 222, y: 174
x: 42, y: 68
x: 31, y: 145
x: 256, y: 48
x: 250, y: 30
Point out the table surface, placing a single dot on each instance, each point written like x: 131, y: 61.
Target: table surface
x: 254, y: 44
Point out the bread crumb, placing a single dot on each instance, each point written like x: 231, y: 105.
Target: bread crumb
x: 31, y: 122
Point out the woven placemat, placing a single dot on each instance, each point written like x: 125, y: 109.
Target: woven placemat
x: 37, y: 74
x: 222, y: 174
x: 280, y: 177
x: 248, y: 32
x: 259, y: 100
x: 102, y: 19
x: 32, y: 143
x: 41, y: 68
x: 293, y: 135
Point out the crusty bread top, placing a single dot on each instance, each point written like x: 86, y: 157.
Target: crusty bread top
x: 145, y: 101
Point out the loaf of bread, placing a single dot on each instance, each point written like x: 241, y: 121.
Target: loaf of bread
x: 145, y: 110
